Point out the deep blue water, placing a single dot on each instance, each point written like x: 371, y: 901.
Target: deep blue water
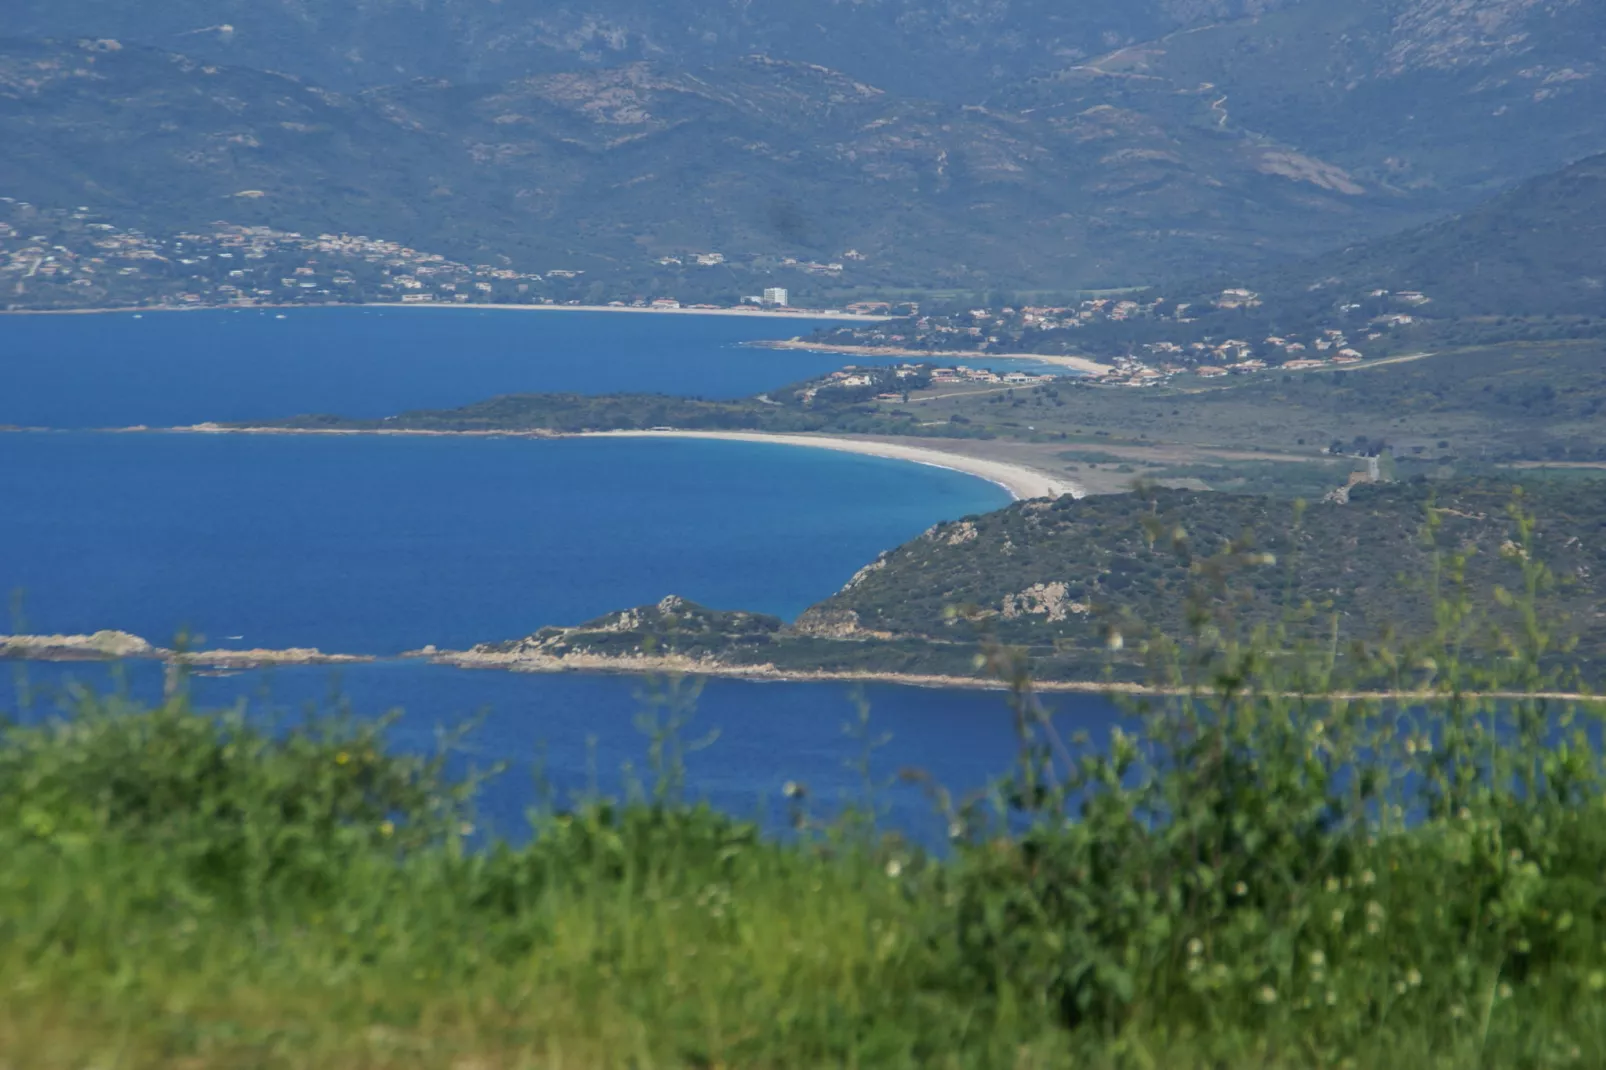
x: 171, y: 368
x: 379, y: 545
x: 384, y: 544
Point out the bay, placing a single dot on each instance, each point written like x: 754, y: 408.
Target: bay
x: 173, y: 368
x: 378, y: 545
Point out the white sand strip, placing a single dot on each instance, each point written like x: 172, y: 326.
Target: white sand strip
x: 1021, y: 482
x: 1085, y: 365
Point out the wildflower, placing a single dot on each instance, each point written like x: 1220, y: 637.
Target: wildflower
x: 955, y: 830
x: 1268, y: 994
x: 1332, y: 884
x: 1516, y: 855
x: 1465, y: 814
x: 1317, y: 959
x: 894, y: 867
x: 793, y: 790
x: 1374, y: 909
x: 1332, y: 997
x: 1368, y: 878
x: 342, y: 758
x: 1338, y: 918
x: 1196, y: 946
x: 1399, y: 988
x: 387, y: 828
x: 1114, y: 641
x: 465, y: 829
x: 1413, y: 977
x: 1504, y: 990
x: 1317, y: 727
x: 1240, y: 889
x: 1457, y: 1012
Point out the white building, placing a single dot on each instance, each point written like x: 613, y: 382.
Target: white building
x: 776, y: 295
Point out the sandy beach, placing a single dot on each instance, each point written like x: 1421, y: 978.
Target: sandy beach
x: 1080, y: 364
x: 1021, y: 482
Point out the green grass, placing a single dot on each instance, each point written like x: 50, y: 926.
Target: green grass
x: 1258, y: 870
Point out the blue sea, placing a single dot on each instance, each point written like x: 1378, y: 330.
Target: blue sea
x: 379, y: 545
x: 173, y: 368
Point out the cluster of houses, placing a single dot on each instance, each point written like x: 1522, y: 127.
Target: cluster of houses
x: 227, y: 264
x: 53, y: 257
x: 1232, y: 357
x: 830, y: 269
x: 1275, y: 350
x: 961, y: 374
x: 853, y: 377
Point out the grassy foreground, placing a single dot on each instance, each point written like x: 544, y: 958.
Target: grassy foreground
x: 1237, y: 878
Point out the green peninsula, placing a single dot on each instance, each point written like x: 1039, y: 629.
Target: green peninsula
x: 1077, y: 589
x: 844, y: 401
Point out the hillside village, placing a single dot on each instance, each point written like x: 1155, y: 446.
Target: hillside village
x: 1150, y: 342
x: 64, y: 259
x: 59, y: 258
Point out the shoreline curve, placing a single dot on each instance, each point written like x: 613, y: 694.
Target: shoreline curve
x: 1020, y: 481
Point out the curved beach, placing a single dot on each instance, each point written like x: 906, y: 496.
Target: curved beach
x: 1021, y: 481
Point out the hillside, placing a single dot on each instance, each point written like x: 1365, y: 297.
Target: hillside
x: 794, y: 174
x: 1456, y: 96
x: 1536, y: 250
x: 1061, y: 579
x: 1454, y: 99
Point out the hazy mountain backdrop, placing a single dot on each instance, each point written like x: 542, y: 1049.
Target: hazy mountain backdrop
x: 967, y: 143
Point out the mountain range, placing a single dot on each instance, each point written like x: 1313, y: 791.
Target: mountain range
x: 834, y: 147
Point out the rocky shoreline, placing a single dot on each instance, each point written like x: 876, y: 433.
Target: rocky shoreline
x: 683, y: 665
x: 118, y: 646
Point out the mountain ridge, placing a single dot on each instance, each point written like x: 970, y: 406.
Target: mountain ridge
x: 614, y: 171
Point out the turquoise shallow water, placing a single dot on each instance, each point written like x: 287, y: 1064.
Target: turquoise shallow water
x: 384, y: 544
